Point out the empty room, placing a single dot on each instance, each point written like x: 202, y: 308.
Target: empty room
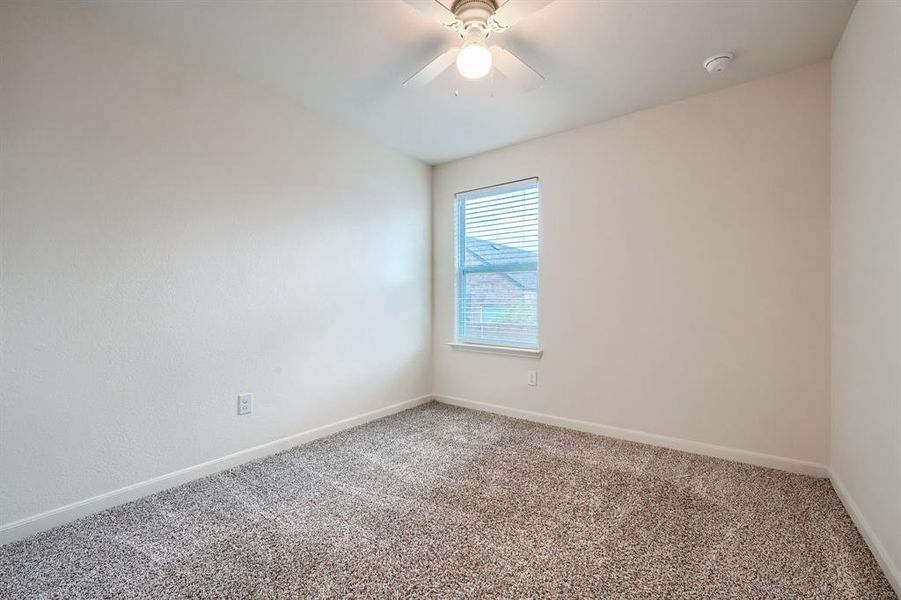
x: 450, y: 299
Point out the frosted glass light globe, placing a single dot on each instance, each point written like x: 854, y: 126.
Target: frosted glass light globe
x: 474, y: 61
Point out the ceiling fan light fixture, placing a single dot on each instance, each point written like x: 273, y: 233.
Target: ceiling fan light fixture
x: 475, y: 21
x: 474, y: 60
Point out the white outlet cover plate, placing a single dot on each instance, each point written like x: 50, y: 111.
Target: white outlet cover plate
x: 245, y: 404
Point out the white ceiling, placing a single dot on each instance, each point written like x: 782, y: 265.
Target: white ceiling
x: 346, y: 59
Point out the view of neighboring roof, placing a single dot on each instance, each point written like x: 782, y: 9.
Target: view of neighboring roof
x: 491, y: 253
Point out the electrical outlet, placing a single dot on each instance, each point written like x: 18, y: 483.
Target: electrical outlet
x: 533, y: 377
x: 245, y: 404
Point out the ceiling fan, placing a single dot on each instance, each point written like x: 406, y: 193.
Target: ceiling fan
x: 475, y: 21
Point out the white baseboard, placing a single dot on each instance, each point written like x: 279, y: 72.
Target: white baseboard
x: 22, y: 528
x: 734, y: 454
x: 892, y: 571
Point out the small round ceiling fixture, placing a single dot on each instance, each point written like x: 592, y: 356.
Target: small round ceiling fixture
x: 718, y: 62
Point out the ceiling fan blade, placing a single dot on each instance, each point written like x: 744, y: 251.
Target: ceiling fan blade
x: 515, y: 70
x: 433, y: 69
x: 436, y: 11
x: 512, y: 11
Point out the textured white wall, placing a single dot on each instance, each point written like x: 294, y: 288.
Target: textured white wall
x: 866, y: 269
x: 684, y: 271
x: 171, y: 236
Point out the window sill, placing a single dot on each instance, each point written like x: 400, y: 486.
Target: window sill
x: 505, y: 350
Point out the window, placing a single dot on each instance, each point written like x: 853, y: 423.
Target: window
x: 497, y: 265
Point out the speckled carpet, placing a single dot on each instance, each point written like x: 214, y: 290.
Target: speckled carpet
x: 440, y: 501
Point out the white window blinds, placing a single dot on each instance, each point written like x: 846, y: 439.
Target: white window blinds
x: 497, y: 265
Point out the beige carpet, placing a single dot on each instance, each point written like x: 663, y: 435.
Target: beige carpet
x: 445, y: 502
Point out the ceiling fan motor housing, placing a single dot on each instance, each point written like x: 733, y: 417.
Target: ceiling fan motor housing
x: 474, y: 15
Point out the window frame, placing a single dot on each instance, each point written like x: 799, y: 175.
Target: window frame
x: 461, y: 270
